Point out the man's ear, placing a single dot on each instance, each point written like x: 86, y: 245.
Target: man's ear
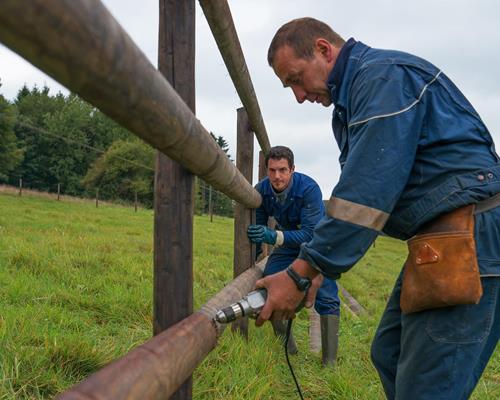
x: 325, y: 48
x: 292, y: 169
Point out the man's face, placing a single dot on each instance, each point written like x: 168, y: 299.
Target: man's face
x: 306, y: 78
x: 279, y: 173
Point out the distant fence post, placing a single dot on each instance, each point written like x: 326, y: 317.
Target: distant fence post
x: 58, y: 191
x: 97, y: 198
x: 135, y: 201
x: 20, y: 187
x: 243, y: 254
x: 174, y: 185
x: 210, y: 204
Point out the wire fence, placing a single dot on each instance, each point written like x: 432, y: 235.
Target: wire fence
x: 208, y: 200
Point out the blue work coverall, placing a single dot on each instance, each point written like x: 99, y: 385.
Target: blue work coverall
x: 296, y: 218
x: 412, y: 148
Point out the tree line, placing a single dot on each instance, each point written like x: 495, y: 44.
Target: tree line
x: 49, y: 140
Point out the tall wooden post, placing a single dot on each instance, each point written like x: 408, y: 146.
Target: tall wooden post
x: 262, y: 166
x: 97, y: 198
x: 20, y: 187
x: 135, y: 201
x: 262, y: 175
x: 58, y: 191
x: 174, y: 185
x: 244, y: 254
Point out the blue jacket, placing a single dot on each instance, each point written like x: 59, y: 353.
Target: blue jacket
x: 297, y: 217
x: 412, y: 147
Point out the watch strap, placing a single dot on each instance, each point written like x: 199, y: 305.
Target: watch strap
x: 302, y: 283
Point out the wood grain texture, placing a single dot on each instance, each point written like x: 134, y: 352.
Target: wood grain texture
x: 174, y: 185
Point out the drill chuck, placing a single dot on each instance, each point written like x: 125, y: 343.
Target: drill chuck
x: 248, y: 306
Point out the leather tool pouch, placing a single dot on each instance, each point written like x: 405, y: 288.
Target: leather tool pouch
x: 441, y: 269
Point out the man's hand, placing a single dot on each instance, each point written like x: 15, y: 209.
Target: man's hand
x: 283, y: 297
x: 261, y: 234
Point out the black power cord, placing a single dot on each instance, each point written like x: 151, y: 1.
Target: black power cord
x: 287, y: 337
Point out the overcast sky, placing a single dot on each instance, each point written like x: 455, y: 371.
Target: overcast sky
x: 462, y: 37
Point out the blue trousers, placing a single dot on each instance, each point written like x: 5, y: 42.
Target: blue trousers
x: 327, y: 297
x: 436, y: 354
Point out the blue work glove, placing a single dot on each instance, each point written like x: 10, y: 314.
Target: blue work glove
x: 261, y: 234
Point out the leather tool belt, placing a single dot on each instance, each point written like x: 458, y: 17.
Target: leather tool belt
x: 441, y: 269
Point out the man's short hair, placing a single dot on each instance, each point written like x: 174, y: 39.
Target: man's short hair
x: 279, y: 152
x: 300, y: 34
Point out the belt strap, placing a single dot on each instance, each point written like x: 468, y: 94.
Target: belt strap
x: 487, y: 204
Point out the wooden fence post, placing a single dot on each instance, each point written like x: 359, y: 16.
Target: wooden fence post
x: 58, y: 191
x: 262, y: 175
x: 174, y: 185
x: 244, y: 252
x: 97, y: 198
x: 135, y: 201
x: 20, y: 187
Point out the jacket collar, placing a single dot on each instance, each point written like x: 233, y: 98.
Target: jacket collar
x: 341, y: 75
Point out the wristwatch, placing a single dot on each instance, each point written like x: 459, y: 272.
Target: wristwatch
x: 302, y: 283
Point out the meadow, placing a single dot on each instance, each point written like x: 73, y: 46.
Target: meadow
x: 76, y: 293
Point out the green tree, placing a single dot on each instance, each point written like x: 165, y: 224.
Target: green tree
x: 125, y: 169
x: 79, y: 132
x: 62, y: 137
x: 221, y: 204
x: 222, y: 144
x: 10, y: 154
x: 33, y: 106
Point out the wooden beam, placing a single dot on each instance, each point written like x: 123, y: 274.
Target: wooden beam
x: 174, y: 185
x: 243, y: 254
x: 154, y: 370
x: 352, y: 303
x: 262, y: 175
x: 83, y: 47
x: 221, y: 23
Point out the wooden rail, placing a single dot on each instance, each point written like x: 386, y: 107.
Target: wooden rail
x: 158, y: 367
x: 81, y: 45
x: 221, y: 23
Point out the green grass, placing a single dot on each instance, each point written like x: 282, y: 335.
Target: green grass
x: 76, y: 290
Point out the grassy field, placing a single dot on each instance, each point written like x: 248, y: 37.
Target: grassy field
x: 76, y: 290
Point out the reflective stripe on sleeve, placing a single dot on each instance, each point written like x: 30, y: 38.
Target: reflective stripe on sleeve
x: 355, y: 213
x: 399, y: 111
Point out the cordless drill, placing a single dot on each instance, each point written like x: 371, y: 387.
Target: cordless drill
x: 249, y: 306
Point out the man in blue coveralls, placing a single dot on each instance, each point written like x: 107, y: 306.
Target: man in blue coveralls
x: 417, y: 161
x: 295, y: 202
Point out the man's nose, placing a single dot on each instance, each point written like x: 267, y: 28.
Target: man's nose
x: 300, y: 94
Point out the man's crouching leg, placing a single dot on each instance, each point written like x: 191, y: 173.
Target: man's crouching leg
x: 329, y: 339
x: 328, y: 307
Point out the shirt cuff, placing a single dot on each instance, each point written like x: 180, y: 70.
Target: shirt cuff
x: 280, y: 238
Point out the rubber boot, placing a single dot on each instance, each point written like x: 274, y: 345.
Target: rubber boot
x: 279, y: 328
x: 329, y: 339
